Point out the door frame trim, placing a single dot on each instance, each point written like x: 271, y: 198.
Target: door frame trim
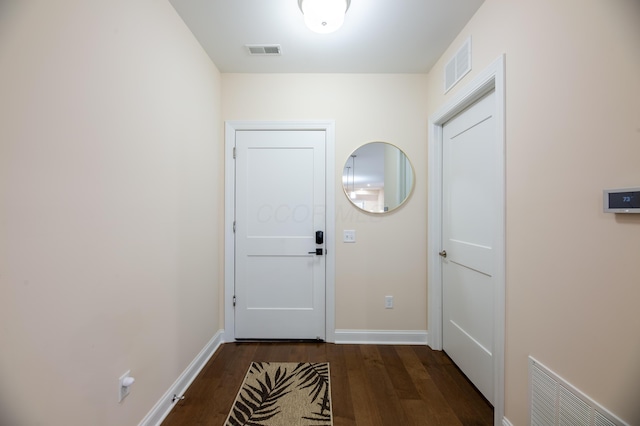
x: 491, y: 78
x: 229, y: 215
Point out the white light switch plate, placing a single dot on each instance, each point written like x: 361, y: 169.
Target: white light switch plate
x: 349, y: 236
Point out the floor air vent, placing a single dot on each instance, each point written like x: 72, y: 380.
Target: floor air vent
x: 556, y: 402
x: 458, y: 66
x: 264, y: 49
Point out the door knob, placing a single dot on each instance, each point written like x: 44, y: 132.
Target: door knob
x: 317, y: 252
x: 443, y: 253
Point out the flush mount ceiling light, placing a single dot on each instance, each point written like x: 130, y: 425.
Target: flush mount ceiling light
x: 324, y: 16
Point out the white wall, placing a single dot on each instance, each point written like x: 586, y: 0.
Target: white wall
x: 573, y: 129
x: 389, y: 255
x: 110, y: 215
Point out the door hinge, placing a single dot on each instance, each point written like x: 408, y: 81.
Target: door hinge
x: 234, y: 301
x: 234, y: 152
x: 234, y: 226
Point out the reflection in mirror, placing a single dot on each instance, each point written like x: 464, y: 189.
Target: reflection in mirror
x: 377, y: 177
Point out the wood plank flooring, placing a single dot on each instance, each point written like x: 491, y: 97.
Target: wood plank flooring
x: 379, y: 385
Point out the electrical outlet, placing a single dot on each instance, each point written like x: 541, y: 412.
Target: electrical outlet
x: 124, y: 385
x: 388, y: 302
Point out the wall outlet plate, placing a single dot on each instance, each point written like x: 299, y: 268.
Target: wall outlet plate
x: 388, y: 302
x: 123, y: 390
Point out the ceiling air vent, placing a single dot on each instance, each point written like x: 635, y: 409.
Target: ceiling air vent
x: 264, y: 49
x: 458, y: 66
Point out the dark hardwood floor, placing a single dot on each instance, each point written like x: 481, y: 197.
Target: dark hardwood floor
x: 370, y: 385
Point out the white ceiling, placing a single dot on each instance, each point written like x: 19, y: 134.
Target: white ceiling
x: 378, y: 36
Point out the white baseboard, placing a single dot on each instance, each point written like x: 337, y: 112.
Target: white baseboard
x: 164, y: 405
x: 506, y: 422
x: 382, y: 337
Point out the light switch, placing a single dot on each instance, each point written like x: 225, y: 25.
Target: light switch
x: 349, y: 236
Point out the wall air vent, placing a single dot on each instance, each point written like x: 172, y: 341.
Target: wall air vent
x: 264, y: 49
x: 556, y: 402
x: 458, y: 66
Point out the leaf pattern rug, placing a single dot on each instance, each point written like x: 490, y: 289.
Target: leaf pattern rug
x: 283, y: 394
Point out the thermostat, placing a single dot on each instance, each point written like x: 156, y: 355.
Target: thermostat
x: 625, y: 200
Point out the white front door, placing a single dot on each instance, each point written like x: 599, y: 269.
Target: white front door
x: 469, y: 221
x: 280, y: 206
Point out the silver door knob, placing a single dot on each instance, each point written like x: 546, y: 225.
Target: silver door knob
x: 443, y: 253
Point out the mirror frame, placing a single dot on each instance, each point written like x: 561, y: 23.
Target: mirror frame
x: 409, y: 193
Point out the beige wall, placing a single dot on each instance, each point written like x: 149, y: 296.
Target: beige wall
x: 573, y: 129
x: 110, y: 215
x: 111, y: 189
x: 389, y: 255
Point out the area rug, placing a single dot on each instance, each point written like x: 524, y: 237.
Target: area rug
x: 283, y: 394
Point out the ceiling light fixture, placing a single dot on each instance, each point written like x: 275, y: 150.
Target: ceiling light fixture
x: 324, y: 16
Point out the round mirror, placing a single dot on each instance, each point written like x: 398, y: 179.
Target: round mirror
x: 377, y: 177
